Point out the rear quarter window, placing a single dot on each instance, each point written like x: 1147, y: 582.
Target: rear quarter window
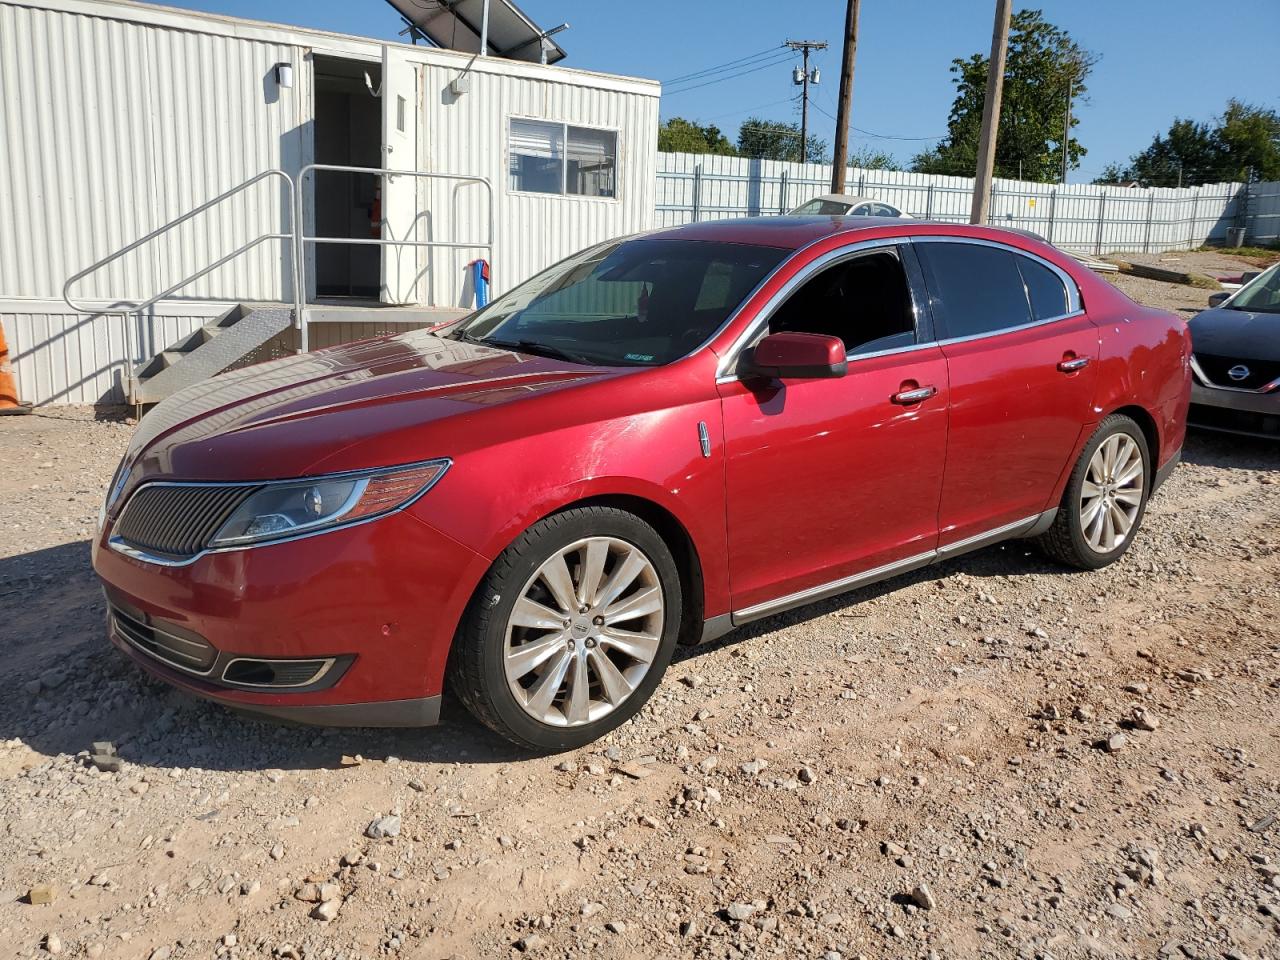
x: 1044, y: 289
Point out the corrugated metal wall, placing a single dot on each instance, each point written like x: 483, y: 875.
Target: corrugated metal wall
x: 113, y: 128
x: 1085, y: 217
x: 468, y: 134
x: 65, y: 357
x: 116, y: 119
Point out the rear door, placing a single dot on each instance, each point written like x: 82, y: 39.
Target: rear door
x: 1022, y: 365
x: 399, y: 193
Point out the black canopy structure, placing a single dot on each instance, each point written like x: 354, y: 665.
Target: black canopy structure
x: 457, y: 25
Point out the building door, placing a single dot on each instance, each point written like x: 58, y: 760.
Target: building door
x: 347, y: 132
x: 399, y: 199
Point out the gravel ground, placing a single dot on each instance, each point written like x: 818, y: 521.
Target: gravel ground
x: 993, y: 757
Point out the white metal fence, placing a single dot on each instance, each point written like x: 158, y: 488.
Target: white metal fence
x: 1084, y: 217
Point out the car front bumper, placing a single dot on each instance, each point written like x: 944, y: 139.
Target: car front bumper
x: 1235, y: 411
x: 350, y: 628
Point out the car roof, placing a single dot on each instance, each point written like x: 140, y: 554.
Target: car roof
x: 848, y: 198
x: 792, y: 233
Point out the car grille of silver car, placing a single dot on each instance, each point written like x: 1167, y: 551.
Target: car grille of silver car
x: 1238, y: 372
x: 178, y: 520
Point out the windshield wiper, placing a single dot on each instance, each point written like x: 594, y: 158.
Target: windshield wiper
x: 538, y: 348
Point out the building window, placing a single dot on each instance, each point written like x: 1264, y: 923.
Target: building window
x: 561, y: 159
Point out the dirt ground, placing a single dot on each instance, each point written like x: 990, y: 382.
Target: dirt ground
x: 994, y: 757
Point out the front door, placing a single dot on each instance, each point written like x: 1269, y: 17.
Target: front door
x: 826, y: 479
x: 399, y: 194
x: 1022, y: 363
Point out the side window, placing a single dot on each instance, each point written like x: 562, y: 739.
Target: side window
x: 861, y: 210
x: 1044, y: 289
x: 884, y: 210
x: 980, y: 288
x: 865, y: 301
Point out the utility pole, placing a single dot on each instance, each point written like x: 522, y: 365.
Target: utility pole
x: 803, y: 79
x: 991, y: 113
x: 841, y: 155
x: 1066, y: 130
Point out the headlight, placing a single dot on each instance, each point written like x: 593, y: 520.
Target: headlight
x: 113, y: 492
x: 286, y: 509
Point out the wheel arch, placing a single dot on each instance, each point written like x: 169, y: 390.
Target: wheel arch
x: 1147, y: 424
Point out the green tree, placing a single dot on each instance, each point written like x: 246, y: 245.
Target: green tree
x: 1243, y: 142
x: 679, y: 135
x: 1042, y: 63
x: 869, y: 158
x: 776, y: 140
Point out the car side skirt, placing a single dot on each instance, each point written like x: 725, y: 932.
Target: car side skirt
x: 1028, y: 527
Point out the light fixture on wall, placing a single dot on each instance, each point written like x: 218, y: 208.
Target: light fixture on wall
x: 284, y: 75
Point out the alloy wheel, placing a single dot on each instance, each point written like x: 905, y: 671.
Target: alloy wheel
x: 1111, y: 494
x: 584, y: 631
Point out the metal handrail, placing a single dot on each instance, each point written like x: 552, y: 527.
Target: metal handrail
x: 302, y: 238
x: 124, y: 308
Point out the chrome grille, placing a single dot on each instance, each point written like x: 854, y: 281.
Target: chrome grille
x: 189, y: 652
x: 178, y: 519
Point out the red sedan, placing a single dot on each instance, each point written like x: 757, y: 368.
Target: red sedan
x: 650, y: 443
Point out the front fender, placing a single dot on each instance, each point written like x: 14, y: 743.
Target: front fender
x: 492, y: 495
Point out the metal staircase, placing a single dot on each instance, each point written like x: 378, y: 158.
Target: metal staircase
x: 248, y: 330
x: 209, y: 350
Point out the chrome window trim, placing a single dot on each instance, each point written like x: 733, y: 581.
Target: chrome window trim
x: 1266, y: 388
x: 1075, y: 307
x: 1073, y: 291
x: 161, y: 560
x: 728, y: 363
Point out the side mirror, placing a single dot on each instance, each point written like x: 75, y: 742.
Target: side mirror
x: 1216, y: 299
x: 799, y: 355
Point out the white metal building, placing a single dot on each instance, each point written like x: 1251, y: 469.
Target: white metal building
x: 116, y: 118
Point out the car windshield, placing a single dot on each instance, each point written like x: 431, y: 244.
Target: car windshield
x: 821, y: 208
x: 625, y: 303
x: 1261, y: 295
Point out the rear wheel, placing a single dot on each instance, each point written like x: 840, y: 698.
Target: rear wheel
x: 571, y: 629
x: 1105, y: 499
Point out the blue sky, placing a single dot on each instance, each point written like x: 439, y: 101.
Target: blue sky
x: 1160, y: 58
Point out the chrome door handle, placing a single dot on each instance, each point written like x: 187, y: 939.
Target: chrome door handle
x: 906, y: 397
x: 1071, y: 366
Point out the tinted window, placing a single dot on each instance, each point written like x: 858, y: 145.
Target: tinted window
x: 864, y: 301
x: 980, y: 287
x: 822, y: 208
x: 638, y: 302
x: 1047, y: 294
x: 884, y: 210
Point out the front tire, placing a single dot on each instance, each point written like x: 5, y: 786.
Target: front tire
x: 570, y: 631
x: 1105, y: 499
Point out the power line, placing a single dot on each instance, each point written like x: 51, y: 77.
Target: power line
x: 722, y: 66
x: 732, y: 76
x: 868, y: 133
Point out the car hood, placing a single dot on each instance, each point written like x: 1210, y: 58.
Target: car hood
x: 342, y: 408
x: 1239, y: 334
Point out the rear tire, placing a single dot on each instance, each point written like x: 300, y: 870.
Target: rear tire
x: 1105, y: 499
x: 570, y: 631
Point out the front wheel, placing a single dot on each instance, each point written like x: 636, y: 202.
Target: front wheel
x: 570, y: 631
x: 1105, y: 499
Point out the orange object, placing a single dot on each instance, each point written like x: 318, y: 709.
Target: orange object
x: 8, y: 388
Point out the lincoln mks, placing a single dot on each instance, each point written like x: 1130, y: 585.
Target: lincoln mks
x: 650, y: 443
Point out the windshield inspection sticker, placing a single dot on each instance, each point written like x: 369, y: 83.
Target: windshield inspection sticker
x: 641, y: 357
